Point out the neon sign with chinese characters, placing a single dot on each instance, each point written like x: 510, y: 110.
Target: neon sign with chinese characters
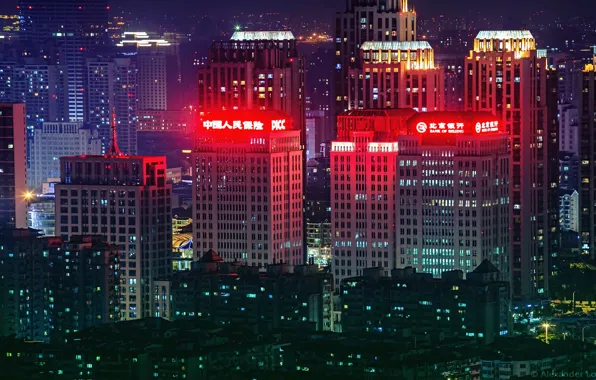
x: 252, y: 125
x: 454, y: 128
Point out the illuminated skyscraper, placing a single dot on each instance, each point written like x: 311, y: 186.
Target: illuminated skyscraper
x: 248, y: 188
x: 507, y: 77
x: 255, y: 71
x: 438, y: 203
x: 395, y: 74
x: 13, y: 166
x: 587, y: 150
x: 126, y: 199
x: 367, y: 20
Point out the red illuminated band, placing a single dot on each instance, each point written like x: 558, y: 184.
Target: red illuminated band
x: 456, y: 128
x: 252, y: 125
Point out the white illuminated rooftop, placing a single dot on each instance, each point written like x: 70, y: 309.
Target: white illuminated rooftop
x: 262, y: 36
x: 503, y: 34
x: 396, y: 45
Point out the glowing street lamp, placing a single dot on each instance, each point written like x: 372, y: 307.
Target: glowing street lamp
x: 546, y: 326
x: 28, y: 195
x: 237, y: 27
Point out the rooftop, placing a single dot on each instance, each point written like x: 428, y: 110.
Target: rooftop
x: 262, y: 35
x: 503, y: 34
x: 396, y: 45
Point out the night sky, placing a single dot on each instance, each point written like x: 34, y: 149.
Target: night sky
x: 327, y: 8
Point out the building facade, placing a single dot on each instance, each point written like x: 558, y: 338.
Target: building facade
x: 126, y: 199
x: 248, y: 188
x: 54, y: 140
x: 508, y: 78
x: 13, y: 166
x: 396, y: 74
x: 587, y: 154
x: 361, y: 21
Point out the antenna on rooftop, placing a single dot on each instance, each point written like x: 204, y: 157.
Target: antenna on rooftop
x: 114, y: 150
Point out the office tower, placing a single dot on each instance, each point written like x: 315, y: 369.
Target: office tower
x: 52, y: 287
x: 553, y: 164
x: 453, y: 67
x: 507, y: 77
x: 394, y: 74
x: 13, y: 166
x: 126, y: 199
x: 367, y: 20
x: 255, y: 71
x: 54, y: 140
x: 277, y: 298
x: 248, y: 188
x: 587, y: 152
x: 568, y: 128
x: 568, y: 171
x: 476, y: 307
x: 452, y: 194
x: 112, y: 88
x: 317, y: 211
x: 41, y: 214
x: 363, y: 169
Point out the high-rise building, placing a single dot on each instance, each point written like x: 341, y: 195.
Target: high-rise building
x: 54, y: 140
x: 363, y: 169
x: 126, y: 199
x: 13, y: 166
x: 75, y: 29
x: 255, y: 71
x: 587, y: 153
x: 569, y: 210
x: 50, y: 287
x: 112, y: 88
x: 367, y: 20
x: 453, y: 67
x: 568, y: 128
x: 248, y: 188
x: 396, y: 74
x: 439, y: 203
x: 41, y: 214
x: 507, y: 76
x: 452, y: 194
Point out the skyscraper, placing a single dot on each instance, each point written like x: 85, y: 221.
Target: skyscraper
x: 394, y: 74
x: 13, y: 166
x: 54, y: 140
x: 112, y: 87
x: 439, y: 203
x: 367, y: 20
x: 255, y: 71
x: 248, y: 188
x: 127, y: 199
x: 507, y: 77
x: 587, y: 150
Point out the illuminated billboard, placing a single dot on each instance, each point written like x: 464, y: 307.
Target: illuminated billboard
x: 236, y: 121
x: 454, y: 123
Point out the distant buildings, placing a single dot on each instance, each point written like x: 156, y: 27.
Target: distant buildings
x: 52, y: 287
x: 127, y: 200
x: 568, y: 128
x: 54, y: 140
x: 416, y: 304
x: 248, y: 188
x: 13, y: 166
x: 569, y: 210
x: 41, y: 214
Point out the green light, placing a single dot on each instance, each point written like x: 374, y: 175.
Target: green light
x: 237, y: 27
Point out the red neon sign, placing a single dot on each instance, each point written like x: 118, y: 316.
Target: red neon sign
x: 456, y: 128
x: 252, y: 125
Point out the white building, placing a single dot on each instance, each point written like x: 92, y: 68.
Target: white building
x: 55, y: 140
x: 569, y: 210
x: 248, y: 188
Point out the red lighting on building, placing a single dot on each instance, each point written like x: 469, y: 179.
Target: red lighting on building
x: 235, y: 121
x: 454, y: 123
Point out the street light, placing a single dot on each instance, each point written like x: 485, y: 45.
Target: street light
x: 546, y: 326
x: 585, y: 327
x: 573, y: 303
